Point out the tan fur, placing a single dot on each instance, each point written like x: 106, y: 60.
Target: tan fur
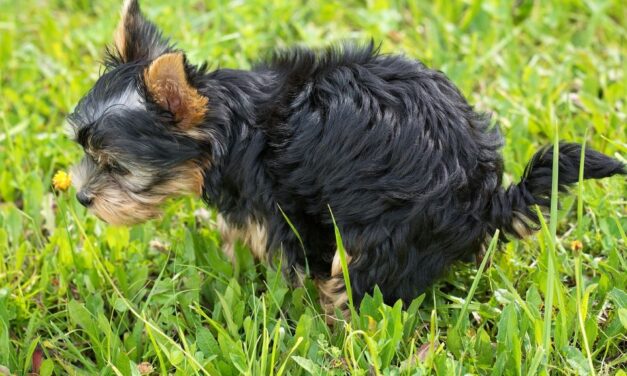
x: 189, y: 180
x: 119, y: 37
x: 332, y: 291
x: 520, y: 225
x: 119, y: 206
x: 166, y: 81
x: 330, y: 298
x: 253, y: 235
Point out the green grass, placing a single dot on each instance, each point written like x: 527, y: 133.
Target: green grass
x: 92, y: 299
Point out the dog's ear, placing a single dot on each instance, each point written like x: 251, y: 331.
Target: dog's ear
x: 136, y: 38
x: 166, y: 81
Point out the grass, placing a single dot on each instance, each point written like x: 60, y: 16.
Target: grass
x: 79, y: 297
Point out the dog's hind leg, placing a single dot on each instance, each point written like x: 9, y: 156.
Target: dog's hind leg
x: 332, y: 290
x: 398, y: 278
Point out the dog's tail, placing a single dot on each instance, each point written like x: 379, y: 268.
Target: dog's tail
x: 512, y: 210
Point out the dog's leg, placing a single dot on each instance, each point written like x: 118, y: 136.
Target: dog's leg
x: 332, y: 291
x: 229, y: 235
x: 252, y: 234
x: 399, y: 272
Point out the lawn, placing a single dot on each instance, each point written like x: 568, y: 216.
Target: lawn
x: 79, y: 297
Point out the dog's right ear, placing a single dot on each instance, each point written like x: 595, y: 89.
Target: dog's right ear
x: 136, y: 38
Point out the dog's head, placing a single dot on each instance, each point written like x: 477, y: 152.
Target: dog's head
x: 138, y: 126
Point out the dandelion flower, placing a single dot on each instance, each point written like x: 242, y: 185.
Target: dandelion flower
x: 576, y: 245
x: 61, y: 180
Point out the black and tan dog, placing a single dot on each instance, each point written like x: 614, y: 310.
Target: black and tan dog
x: 411, y: 173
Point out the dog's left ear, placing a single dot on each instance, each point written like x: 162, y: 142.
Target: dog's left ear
x: 136, y: 38
x: 166, y: 81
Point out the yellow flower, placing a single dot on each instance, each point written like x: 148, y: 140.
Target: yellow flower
x: 61, y: 180
x: 576, y: 245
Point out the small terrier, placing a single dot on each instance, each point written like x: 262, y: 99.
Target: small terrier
x: 389, y: 147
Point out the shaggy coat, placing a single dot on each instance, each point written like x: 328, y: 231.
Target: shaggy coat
x: 387, y: 148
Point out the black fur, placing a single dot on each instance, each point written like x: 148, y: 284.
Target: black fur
x: 411, y: 173
x: 536, y: 183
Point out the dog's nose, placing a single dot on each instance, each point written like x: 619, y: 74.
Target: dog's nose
x: 84, y: 199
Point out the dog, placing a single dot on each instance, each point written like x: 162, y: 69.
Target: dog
x: 381, y: 146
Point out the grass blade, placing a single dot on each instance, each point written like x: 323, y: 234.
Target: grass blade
x: 342, y: 252
x: 551, y: 236
x: 475, y: 282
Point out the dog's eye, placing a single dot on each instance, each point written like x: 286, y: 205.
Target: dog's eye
x: 115, y: 168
